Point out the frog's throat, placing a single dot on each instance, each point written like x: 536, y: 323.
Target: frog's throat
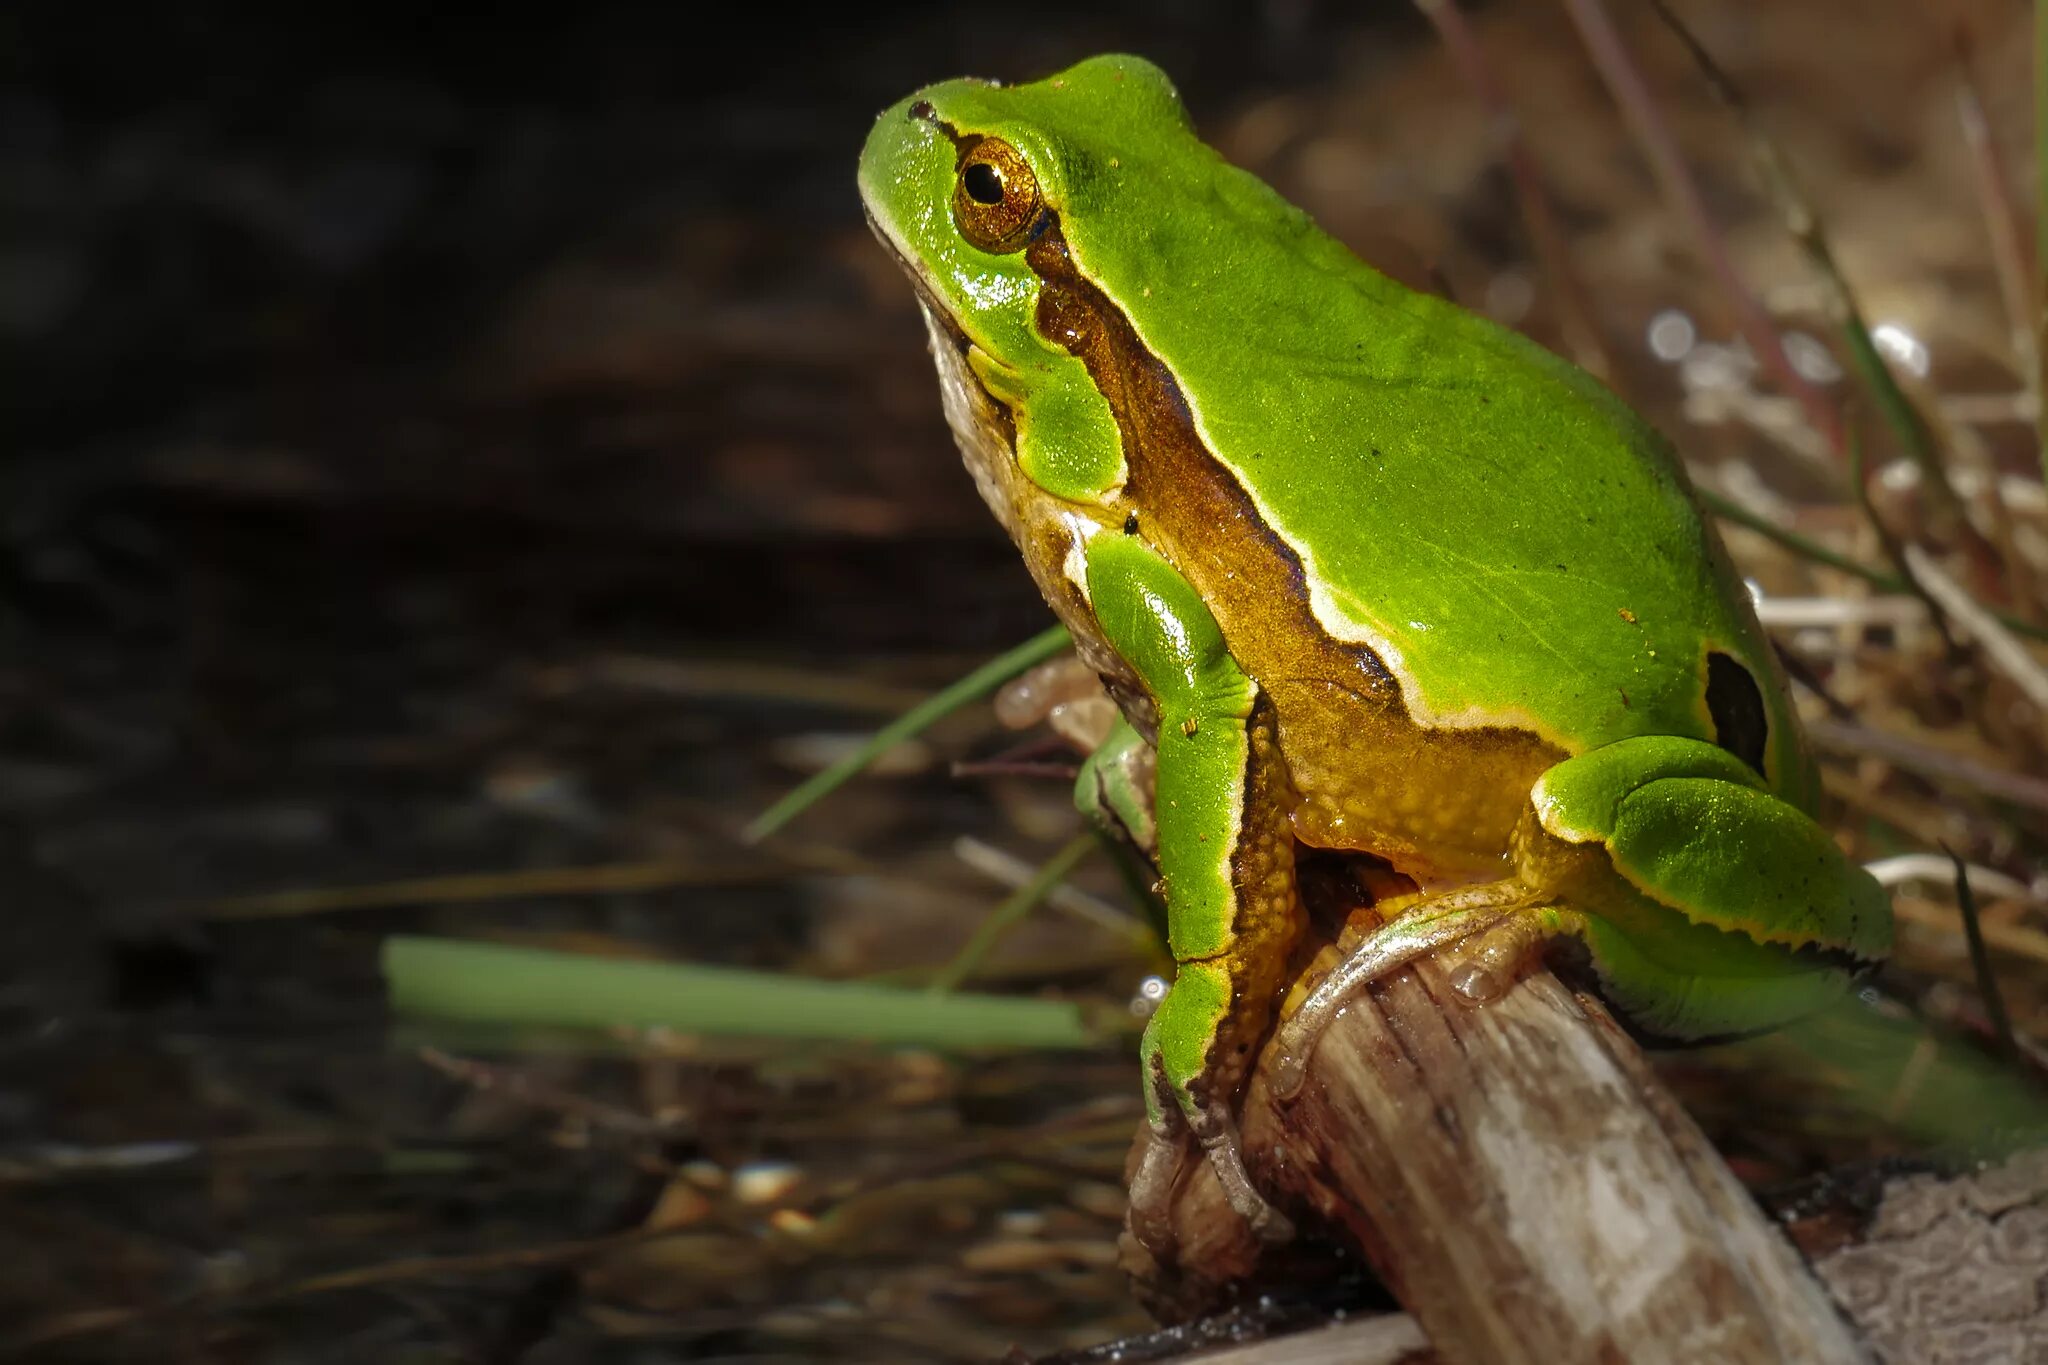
x: 1050, y: 534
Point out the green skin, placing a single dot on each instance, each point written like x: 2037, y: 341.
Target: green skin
x: 1371, y: 573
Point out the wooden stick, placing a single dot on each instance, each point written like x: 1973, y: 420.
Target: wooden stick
x: 1518, y: 1176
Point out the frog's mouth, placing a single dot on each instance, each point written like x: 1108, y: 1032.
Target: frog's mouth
x: 983, y: 425
x: 936, y: 312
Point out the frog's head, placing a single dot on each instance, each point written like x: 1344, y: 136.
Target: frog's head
x: 979, y: 190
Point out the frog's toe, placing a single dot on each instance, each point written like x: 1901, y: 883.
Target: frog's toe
x: 1152, y: 1185
x: 1428, y: 926
x: 1484, y: 965
x: 1217, y: 1132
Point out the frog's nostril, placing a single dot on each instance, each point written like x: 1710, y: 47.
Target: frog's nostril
x: 923, y: 109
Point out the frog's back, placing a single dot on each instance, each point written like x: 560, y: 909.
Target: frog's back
x: 1513, y: 542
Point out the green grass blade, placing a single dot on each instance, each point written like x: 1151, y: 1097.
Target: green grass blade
x: 917, y: 719
x: 505, y: 985
x: 1899, y: 1074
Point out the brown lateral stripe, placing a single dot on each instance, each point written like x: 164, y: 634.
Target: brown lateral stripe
x: 1193, y: 509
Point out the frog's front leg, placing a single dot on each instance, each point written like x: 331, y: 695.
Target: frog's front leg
x: 1226, y: 859
x: 1114, y: 791
x: 1710, y: 907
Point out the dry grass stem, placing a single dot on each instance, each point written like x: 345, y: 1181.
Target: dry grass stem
x: 2000, y: 645
x: 1639, y: 108
x: 1546, y: 235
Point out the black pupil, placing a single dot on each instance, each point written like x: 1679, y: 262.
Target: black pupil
x: 984, y: 186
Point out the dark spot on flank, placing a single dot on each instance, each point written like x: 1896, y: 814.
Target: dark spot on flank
x: 1131, y: 524
x: 1741, y: 725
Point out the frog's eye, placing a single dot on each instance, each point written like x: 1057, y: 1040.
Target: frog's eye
x: 995, y: 197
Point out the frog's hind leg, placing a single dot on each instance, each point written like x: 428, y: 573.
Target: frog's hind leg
x: 1712, y: 905
x: 1709, y: 905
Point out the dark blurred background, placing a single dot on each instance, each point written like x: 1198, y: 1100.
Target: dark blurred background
x: 456, y: 445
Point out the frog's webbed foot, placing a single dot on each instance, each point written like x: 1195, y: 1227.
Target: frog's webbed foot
x: 1495, y: 912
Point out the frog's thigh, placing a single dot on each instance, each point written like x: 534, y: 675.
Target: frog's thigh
x: 1725, y: 908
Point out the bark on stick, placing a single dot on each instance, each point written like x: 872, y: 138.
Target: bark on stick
x: 1520, y: 1178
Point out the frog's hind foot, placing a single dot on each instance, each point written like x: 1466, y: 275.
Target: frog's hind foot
x: 1495, y: 912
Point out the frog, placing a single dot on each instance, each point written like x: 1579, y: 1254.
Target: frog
x: 1365, y: 573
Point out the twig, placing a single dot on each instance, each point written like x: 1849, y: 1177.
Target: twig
x: 2016, y: 939
x: 517, y: 1085
x: 919, y: 718
x: 1938, y: 764
x: 1004, y: 917
x: 1793, y: 612
x: 1008, y: 870
x: 1980, y: 960
x: 745, y: 679
x: 1546, y: 236
x: 2001, y: 215
x: 1627, y: 86
x: 1910, y: 867
x: 1804, y: 546
x: 1976, y: 469
x: 462, y: 888
x: 1521, y: 1179
x: 1390, y: 1340
x: 1896, y: 550
x: 1808, y: 548
x: 49, y: 1162
x: 2003, y: 649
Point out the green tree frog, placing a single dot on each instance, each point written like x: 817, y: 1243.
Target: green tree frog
x: 1368, y: 573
